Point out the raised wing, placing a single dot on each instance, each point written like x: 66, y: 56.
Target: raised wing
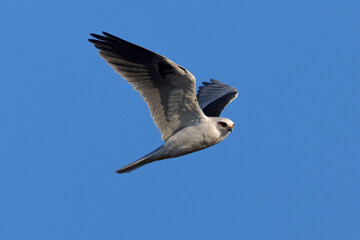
x: 214, y: 96
x: 167, y: 88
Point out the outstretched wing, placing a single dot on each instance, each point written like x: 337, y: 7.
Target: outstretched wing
x: 167, y: 88
x: 214, y: 96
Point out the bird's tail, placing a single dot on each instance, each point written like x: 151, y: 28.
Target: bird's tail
x: 151, y: 157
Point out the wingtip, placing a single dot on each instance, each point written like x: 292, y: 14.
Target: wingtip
x: 216, y: 81
x: 206, y: 83
x: 108, y: 35
x: 122, y: 170
x: 125, y: 169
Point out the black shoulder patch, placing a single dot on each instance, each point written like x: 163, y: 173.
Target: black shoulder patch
x: 165, y: 69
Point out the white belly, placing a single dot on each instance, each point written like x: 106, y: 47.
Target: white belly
x: 191, y: 139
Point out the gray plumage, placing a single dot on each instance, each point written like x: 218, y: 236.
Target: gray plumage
x: 169, y: 91
x: 213, y: 97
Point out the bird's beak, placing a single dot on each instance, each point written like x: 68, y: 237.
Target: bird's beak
x: 231, y: 128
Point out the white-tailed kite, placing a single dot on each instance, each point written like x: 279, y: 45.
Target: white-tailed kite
x: 187, y: 122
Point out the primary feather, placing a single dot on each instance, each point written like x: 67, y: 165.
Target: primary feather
x: 168, y: 89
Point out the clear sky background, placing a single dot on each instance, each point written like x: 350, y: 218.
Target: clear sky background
x: 289, y: 170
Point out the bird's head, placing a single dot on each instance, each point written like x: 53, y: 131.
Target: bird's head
x: 224, y: 125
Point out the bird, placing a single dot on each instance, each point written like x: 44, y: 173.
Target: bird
x: 188, y: 121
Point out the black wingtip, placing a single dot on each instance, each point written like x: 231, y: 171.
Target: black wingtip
x: 119, y: 171
x: 100, y: 37
x: 125, y: 169
x: 206, y: 83
x: 107, y: 37
x: 93, y: 35
x: 111, y: 36
x: 93, y: 40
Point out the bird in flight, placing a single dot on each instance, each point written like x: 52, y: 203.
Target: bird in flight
x: 187, y: 121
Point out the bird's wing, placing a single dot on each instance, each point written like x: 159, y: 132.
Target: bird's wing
x: 214, y: 96
x: 167, y: 88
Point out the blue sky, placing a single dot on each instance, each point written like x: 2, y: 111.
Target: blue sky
x: 289, y: 170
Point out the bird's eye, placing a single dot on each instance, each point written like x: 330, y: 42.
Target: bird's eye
x: 223, y: 124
